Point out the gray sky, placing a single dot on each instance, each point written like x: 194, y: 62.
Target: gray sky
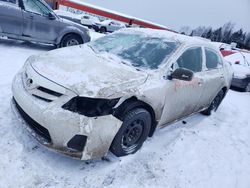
x: 178, y: 13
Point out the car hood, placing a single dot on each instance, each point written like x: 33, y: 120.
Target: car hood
x: 77, y: 25
x: 86, y: 72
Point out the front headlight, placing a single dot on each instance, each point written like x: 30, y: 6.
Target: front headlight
x: 91, y: 107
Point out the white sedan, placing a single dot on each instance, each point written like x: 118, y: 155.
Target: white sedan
x: 112, y: 93
x: 108, y: 26
x: 89, y: 20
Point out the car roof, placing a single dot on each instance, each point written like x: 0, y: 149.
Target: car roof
x: 187, y: 40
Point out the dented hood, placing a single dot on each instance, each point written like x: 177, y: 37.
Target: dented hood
x: 86, y: 72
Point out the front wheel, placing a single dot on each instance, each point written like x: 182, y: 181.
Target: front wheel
x: 133, y: 132
x: 214, y: 105
x: 103, y: 30
x: 71, y: 40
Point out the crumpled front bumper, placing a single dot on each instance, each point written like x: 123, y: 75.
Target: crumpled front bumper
x: 62, y: 125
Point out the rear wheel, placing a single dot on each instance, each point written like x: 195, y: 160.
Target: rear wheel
x: 214, y: 105
x: 71, y: 40
x: 103, y: 30
x: 133, y: 132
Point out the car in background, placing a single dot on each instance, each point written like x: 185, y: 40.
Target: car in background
x: 89, y: 20
x: 241, y: 65
x: 34, y: 20
x: 108, y: 26
x: 112, y: 93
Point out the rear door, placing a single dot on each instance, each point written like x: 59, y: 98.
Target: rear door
x: 213, y: 76
x: 11, y: 19
x: 37, y: 24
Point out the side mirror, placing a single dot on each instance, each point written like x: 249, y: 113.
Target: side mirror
x: 182, y: 74
x: 51, y: 16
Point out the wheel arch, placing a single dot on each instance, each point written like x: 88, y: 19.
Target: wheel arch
x: 59, y: 40
x: 132, y: 103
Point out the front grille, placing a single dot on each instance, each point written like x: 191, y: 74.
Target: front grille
x: 40, y: 130
x: 48, y: 91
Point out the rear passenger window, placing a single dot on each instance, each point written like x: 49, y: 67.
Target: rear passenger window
x: 191, y: 59
x: 213, y: 60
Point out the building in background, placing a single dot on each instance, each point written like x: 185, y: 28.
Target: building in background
x: 108, y: 14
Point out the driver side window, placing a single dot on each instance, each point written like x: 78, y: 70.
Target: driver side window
x: 35, y: 6
x: 191, y: 59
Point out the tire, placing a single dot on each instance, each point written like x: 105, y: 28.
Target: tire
x: 247, y: 89
x: 103, y: 29
x: 133, y: 132
x: 71, y: 40
x: 214, y: 105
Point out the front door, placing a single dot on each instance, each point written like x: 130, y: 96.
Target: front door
x: 37, y: 24
x: 11, y: 19
x: 182, y: 97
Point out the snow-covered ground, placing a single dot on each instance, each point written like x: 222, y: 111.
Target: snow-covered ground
x: 205, y: 152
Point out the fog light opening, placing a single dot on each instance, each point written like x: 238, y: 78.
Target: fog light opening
x: 77, y: 143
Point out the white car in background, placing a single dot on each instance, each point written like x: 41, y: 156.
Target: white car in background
x: 241, y: 65
x: 240, y: 60
x: 89, y: 20
x: 108, y: 26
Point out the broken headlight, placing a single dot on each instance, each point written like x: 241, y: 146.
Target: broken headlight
x: 91, y: 107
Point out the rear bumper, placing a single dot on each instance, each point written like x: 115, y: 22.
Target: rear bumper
x: 57, y: 128
x: 240, y: 83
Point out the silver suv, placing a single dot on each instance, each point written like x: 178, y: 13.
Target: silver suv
x: 34, y: 20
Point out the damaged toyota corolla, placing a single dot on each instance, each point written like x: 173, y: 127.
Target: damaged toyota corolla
x: 112, y: 93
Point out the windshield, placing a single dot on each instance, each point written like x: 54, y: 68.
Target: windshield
x: 141, y: 51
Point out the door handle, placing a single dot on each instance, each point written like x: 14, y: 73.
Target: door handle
x: 31, y: 17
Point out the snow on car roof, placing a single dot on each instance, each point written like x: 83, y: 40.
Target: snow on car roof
x: 168, y: 35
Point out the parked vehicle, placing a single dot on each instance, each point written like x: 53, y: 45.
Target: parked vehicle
x: 108, y: 26
x: 34, y: 20
x: 89, y: 20
x: 241, y: 66
x: 113, y: 92
x: 240, y: 60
